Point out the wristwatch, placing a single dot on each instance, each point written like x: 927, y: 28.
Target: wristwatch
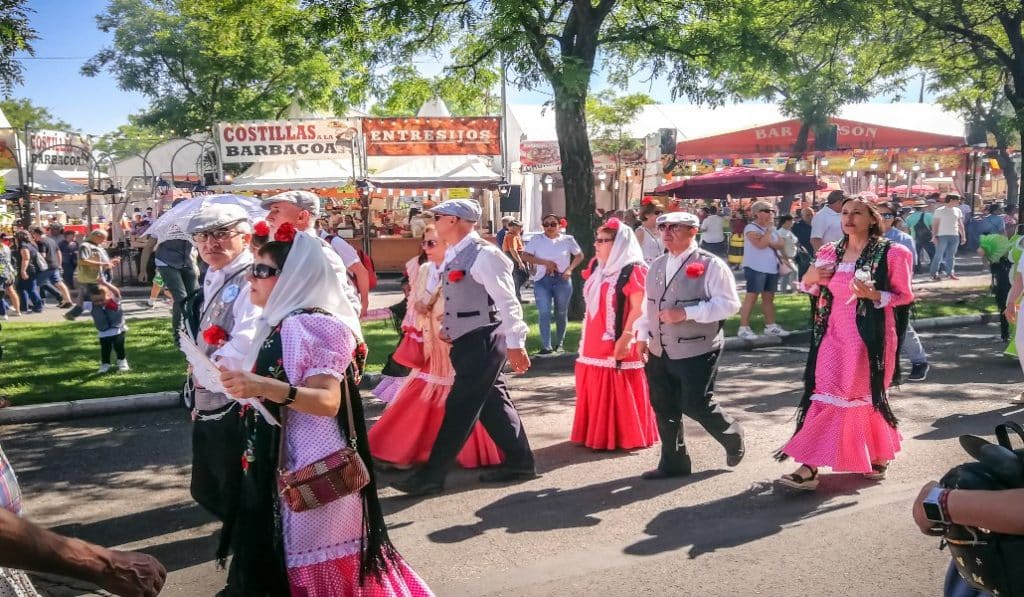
x: 935, y: 505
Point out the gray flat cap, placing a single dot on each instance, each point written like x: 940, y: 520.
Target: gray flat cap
x: 216, y: 216
x: 304, y: 199
x: 679, y: 217
x: 464, y: 209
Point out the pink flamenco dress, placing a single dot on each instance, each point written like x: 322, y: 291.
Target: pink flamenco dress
x: 404, y: 435
x: 322, y: 545
x: 842, y: 429
x: 613, y: 407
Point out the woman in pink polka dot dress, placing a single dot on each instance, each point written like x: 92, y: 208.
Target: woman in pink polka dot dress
x: 863, y: 288
x: 303, y: 354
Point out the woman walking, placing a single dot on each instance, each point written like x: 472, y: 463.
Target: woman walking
x: 406, y: 431
x: 647, y: 234
x: 27, y: 258
x: 555, y: 255
x: 302, y: 356
x: 613, y: 409
x: 862, y: 284
x: 761, y: 270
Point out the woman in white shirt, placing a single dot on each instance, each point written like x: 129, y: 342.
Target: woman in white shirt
x: 647, y: 234
x: 712, y: 238
x: 555, y: 255
x: 761, y: 270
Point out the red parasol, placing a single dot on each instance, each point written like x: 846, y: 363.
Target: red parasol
x: 741, y: 182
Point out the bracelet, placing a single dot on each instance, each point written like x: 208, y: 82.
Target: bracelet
x: 292, y: 393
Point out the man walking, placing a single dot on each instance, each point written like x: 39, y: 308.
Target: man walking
x: 92, y: 261
x: 481, y: 318
x: 827, y: 225
x: 948, y: 229
x: 920, y: 224
x: 690, y: 292
x: 49, y: 280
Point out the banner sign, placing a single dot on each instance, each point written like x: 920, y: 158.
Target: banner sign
x: 543, y: 156
x: 54, y: 150
x: 286, y: 140
x: 432, y: 136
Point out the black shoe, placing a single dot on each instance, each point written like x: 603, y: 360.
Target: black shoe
x: 734, y: 454
x: 918, y: 372
x: 545, y: 351
x: 655, y: 474
x: 504, y: 474
x: 419, y: 485
x: 65, y: 305
x: 557, y: 348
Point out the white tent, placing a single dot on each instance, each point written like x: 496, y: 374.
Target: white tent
x: 301, y: 174
x: 438, y: 171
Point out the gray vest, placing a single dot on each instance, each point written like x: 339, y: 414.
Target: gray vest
x: 688, y: 338
x: 218, y: 310
x: 467, y: 306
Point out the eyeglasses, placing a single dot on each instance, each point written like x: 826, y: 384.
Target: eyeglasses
x: 549, y: 224
x: 262, y: 271
x: 430, y: 244
x: 219, y: 235
x: 672, y: 227
x: 888, y: 216
x: 599, y: 241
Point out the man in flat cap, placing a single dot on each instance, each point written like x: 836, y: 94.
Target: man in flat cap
x: 301, y: 209
x: 225, y: 331
x: 690, y: 292
x: 484, y: 323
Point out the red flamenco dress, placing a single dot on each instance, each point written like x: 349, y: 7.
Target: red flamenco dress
x: 613, y: 408
x: 405, y: 433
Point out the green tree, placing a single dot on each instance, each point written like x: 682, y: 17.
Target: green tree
x: 204, y: 61
x: 128, y: 139
x: 609, y: 117
x: 407, y: 90
x: 20, y: 112
x: 978, y: 36
x: 559, y: 43
x: 16, y: 35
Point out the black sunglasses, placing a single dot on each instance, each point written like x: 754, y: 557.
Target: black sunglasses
x: 262, y: 271
x: 664, y: 227
x: 549, y: 224
x: 888, y: 216
x: 430, y: 244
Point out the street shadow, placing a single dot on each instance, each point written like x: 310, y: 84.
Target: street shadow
x: 983, y: 423
x: 763, y: 510
x: 553, y: 508
x: 143, y: 526
x: 566, y: 453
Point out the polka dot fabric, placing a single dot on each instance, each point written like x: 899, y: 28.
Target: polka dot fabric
x: 322, y: 545
x: 842, y: 430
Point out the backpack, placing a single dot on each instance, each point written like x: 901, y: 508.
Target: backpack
x: 371, y: 271
x: 922, y: 233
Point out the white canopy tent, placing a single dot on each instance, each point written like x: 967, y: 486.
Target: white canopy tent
x: 437, y: 171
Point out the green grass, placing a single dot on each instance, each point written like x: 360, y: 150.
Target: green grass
x: 56, y: 362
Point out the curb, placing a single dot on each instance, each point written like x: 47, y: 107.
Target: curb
x: 76, y: 409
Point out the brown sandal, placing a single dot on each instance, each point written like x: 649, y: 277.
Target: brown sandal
x: 797, y: 481
x: 878, y: 471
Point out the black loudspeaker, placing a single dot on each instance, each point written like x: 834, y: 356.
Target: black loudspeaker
x: 976, y: 135
x: 668, y: 141
x: 828, y: 140
x: 511, y: 198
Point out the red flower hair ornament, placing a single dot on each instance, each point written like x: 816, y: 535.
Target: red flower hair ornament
x: 646, y: 201
x: 695, y: 270
x: 215, y: 335
x: 455, y: 276
x: 261, y: 228
x: 613, y: 224
x: 285, y: 233
x: 563, y: 223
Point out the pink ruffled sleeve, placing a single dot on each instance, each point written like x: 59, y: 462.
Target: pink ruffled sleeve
x: 315, y: 344
x: 900, y: 262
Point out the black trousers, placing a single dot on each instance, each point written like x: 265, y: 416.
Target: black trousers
x: 479, y: 393
x: 686, y: 387
x: 1001, y: 288
x: 112, y: 342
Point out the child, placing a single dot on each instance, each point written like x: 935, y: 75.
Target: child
x: 109, y: 320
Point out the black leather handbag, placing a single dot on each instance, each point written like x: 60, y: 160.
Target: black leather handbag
x: 991, y: 562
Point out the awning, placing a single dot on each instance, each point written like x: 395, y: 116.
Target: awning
x: 436, y: 171
x: 44, y: 182
x: 297, y: 175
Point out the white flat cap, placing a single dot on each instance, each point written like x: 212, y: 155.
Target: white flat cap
x: 679, y: 217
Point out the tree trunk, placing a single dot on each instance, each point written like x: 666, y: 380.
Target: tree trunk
x: 786, y: 203
x: 1012, y: 183
x: 577, y: 179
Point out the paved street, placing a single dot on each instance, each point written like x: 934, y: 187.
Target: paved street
x: 588, y: 525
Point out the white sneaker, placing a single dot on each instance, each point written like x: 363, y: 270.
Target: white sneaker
x: 775, y: 330
x: 4, y: 317
x: 122, y: 365
x: 746, y: 333
x: 1018, y: 399
x: 104, y: 367
x: 150, y: 303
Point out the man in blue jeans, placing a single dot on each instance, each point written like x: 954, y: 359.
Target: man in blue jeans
x: 947, y: 229
x: 555, y: 255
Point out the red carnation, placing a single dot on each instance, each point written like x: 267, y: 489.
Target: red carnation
x: 612, y: 224
x: 285, y: 233
x: 361, y: 350
x: 456, y: 275
x: 695, y: 270
x: 646, y: 201
x: 563, y: 223
x: 215, y: 335
x: 261, y: 229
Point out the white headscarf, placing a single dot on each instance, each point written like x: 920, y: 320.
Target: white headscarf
x: 307, y: 280
x: 625, y: 250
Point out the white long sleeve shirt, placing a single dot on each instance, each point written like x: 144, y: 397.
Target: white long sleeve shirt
x: 245, y: 313
x: 719, y: 284
x: 493, y: 270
